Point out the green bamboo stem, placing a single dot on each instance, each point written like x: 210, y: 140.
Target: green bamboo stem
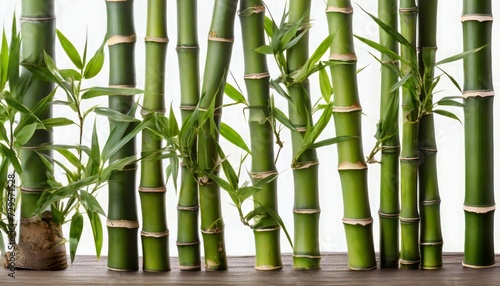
x: 347, y: 116
x: 152, y: 189
x: 431, y: 239
x: 479, y: 204
x: 267, y: 239
x: 188, y: 240
x: 410, y: 254
x: 306, y: 210
x: 122, y: 213
x: 220, y: 45
x: 35, y: 240
x: 389, y: 162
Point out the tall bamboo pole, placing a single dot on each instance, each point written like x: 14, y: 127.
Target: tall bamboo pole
x: 267, y: 239
x: 188, y: 240
x: 306, y: 210
x: 152, y: 187
x: 40, y: 242
x: 389, y: 162
x: 410, y: 254
x: 479, y: 204
x: 431, y: 239
x: 122, y: 213
x: 220, y: 45
x: 347, y: 115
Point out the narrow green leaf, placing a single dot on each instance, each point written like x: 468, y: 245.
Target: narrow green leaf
x: 279, y: 221
x: 234, y: 94
x: 70, y: 75
x: 460, y: 56
x: 24, y: 135
x: 325, y: 85
x: 174, y: 127
x: 449, y: 102
x: 95, y: 222
x: 70, y: 50
x: 246, y: 192
x: 90, y: 203
x: 57, y: 122
x: 270, y: 27
x: 57, y: 215
x: 447, y: 114
x: 330, y: 141
x: 283, y: 119
x: 401, y: 82
x: 95, y: 64
x: 452, y: 79
x: 232, y: 136
x: 12, y: 157
x: 114, y: 115
x: 101, y: 91
x: 389, y: 30
x: 265, y: 49
x: 75, y: 233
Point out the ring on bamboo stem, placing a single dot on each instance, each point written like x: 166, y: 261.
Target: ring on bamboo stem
x: 304, y: 165
x: 205, y: 180
x: 132, y: 167
x: 477, y: 266
x: 187, y: 243
x: 432, y: 243
x: 409, y: 159
x: 346, y: 166
x: 213, y: 231
x: 155, y: 234
x: 386, y: 215
x: 263, y: 175
x: 361, y: 269
x: 268, y: 267
x: 306, y: 211
x: 343, y: 10
x: 476, y: 17
x: 213, y: 38
x: 409, y: 219
x: 145, y: 112
x: 121, y: 39
x: 431, y: 202
x: 183, y: 208
x: 349, y: 57
x: 187, y: 267
x: 362, y: 222
x: 428, y: 150
x: 256, y: 75
x: 122, y: 223
x: 252, y: 10
x: 269, y: 229
x: 156, y: 39
x: 187, y: 107
x: 409, y: 10
x: 394, y: 62
x: 345, y: 109
x: 301, y: 129
x: 187, y: 47
x: 306, y: 256
x: 162, y: 189
x: 478, y: 93
x: 32, y: 190
x: 479, y: 210
x: 409, y: 262
x: 36, y: 19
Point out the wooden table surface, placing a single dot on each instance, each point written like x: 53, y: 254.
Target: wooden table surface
x: 86, y: 270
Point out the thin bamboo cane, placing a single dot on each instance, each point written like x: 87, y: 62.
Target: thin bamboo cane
x: 40, y: 243
x: 347, y: 115
x: 267, y: 239
x: 220, y: 44
x: 152, y: 187
x: 410, y: 254
x: 122, y: 213
x: 479, y: 204
x: 306, y: 254
x: 431, y: 239
x: 188, y: 240
x: 389, y: 172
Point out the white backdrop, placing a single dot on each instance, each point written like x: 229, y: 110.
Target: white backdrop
x: 75, y: 18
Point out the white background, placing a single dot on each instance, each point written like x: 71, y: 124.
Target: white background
x: 76, y: 18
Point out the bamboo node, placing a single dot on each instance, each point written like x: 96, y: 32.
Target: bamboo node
x: 205, y: 180
x: 361, y: 269
x: 431, y: 202
x: 263, y: 175
x: 155, y: 233
x: 306, y: 256
x: 268, y: 267
x: 343, y: 10
x: 304, y: 165
x: 477, y: 17
x: 186, y: 243
x: 428, y: 149
x: 350, y: 57
x: 346, y: 166
x: 187, y: 47
x: 478, y: 93
x: 301, y: 129
x: 409, y: 219
x: 121, y: 39
x: 156, y: 39
x: 409, y: 10
x: 145, y: 112
x: 409, y: 159
x: 479, y: 210
x: 32, y: 190
x: 256, y: 75
x: 362, y: 222
x: 252, y: 10
x: 345, y: 109
x: 394, y: 62
x: 267, y: 229
x: 409, y: 262
x: 386, y: 215
x: 187, y: 107
x: 189, y: 267
x: 477, y: 266
x: 213, y: 38
x: 306, y: 211
x: 213, y: 231
x: 161, y: 189
x: 122, y: 223
x: 37, y: 19
x: 185, y: 208
x: 435, y: 243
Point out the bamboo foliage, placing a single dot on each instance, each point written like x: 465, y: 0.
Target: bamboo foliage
x: 479, y: 204
x: 152, y: 187
x: 347, y: 116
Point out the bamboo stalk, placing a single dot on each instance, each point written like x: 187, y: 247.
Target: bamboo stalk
x: 306, y: 210
x: 479, y: 204
x: 410, y: 254
x: 267, y: 239
x: 152, y: 187
x: 220, y: 44
x: 188, y: 240
x: 40, y: 242
x: 431, y: 239
x: 347, y: 116
x: 122, y: 213
x: 389, y: 172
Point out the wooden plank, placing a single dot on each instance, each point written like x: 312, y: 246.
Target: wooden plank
x: 88, y: 271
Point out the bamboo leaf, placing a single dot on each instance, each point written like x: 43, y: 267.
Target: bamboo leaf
x: 247, y: 192
x: 270, y: 27
x: 449, y: 102
x: 96, y: 224
x: 389, y: 30
x: 24, y: 134
x: 173, y: 126
x: 447, y: 114
x: 57, y: 122
x: 279, y: 221
x: 95, y: 64
x: 114, y: 115
x: 12, y: 157
x: 275, y: 84
x: 460, y: 56
x: 95, y: 154
x: 401, y: 82
x: 330, y: 141
x: 101, y: 91
x: 70, y: 75
x: 4, y: 57
x: 452, y: 79
x: 234, y: 94
x: 281, y: 117
x: 382, y: 49
x: 325, y: 85
x: 75, y: 233
x: 265, y: 49
x: 110, y: 150
x: 90, y: 203
x: 70, y: 50
x: 57, y: 215
x: 232, y: 136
